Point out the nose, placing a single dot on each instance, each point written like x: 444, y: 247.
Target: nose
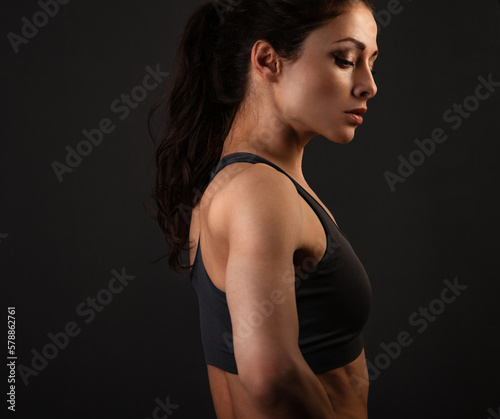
x: 365, y: 86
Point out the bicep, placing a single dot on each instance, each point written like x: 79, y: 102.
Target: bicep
x: 261, y: 301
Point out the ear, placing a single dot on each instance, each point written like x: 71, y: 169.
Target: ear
x: 266, y: 61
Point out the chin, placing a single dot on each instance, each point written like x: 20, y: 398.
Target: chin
x: 342, y: 138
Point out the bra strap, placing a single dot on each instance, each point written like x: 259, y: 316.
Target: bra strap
x: 244, y: 157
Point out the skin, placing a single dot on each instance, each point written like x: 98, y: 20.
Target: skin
x: 288, y: 104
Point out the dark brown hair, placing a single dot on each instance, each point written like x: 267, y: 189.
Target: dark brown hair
x: 209, y: 83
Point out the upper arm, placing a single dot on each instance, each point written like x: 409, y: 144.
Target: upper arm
x: 262, y: 226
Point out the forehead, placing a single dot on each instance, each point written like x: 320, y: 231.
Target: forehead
x: 358, y: 22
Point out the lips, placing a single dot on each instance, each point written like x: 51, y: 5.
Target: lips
x: 355, y: 115
x: 359, y: 111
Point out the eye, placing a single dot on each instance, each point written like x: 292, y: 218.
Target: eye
x: 342, y: 63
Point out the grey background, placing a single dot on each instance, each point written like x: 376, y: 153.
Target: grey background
x: 61, y: 240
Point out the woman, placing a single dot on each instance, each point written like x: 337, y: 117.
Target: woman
x: 283, y: 297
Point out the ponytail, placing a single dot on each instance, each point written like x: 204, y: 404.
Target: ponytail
x: 198, y: 126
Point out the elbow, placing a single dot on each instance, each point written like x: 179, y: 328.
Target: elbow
x: 266, y: 386
x: 266, y: 390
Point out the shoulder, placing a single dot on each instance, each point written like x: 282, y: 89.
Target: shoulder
x: 258, y: 202
x: 260, y: 182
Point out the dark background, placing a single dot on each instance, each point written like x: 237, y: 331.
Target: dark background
x: 61, y: 240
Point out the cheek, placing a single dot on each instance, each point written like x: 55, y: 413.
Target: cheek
x: 313, y: 94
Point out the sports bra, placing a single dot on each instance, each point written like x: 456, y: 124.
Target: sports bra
x: 333, y: 298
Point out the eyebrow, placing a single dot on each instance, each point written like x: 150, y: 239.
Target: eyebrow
x: 358, y: 44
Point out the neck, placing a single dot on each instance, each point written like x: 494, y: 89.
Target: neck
x: 280, y: 146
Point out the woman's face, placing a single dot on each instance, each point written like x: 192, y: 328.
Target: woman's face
x: 333, y: 76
